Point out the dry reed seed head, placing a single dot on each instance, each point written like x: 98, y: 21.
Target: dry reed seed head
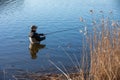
x: 85, y: 33
x: 80, y: 31
x: 94, y: 22
x: 91, y: 11
x: 111, y: 12
x: 105, y: 37
x: 85, y: 28
x: 114, y: 24
x: 81, y: 19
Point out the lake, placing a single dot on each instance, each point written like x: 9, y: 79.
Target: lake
x: 63, y: 48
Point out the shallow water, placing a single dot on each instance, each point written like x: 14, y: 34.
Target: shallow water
x: 16, y: 17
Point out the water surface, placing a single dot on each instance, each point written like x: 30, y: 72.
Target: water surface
x: 16, y: 17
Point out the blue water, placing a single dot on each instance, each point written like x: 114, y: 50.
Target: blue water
x: 16, y: 17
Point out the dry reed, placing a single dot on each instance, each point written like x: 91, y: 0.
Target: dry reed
x: 105, y: 52
x: 104, y: 45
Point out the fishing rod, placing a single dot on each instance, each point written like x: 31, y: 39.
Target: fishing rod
x: 61, y: 31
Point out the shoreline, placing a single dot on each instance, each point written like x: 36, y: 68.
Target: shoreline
x: 47, y: 76
x: 54, y: 74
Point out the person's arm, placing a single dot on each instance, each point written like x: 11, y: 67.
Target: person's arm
x: 38, y: 38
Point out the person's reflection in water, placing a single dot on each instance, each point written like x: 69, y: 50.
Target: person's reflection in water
x: 35, y: 40
x: 34, y: 48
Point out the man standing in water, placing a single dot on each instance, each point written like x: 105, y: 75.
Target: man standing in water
x: 35, y: 37
x: 35, y: 40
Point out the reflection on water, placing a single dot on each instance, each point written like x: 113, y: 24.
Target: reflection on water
x: 50, y: 15
x: 34, y: 48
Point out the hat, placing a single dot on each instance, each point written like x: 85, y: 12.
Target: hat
x: 33, y: 27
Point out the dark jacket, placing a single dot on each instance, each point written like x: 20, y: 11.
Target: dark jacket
x: 35, y: 37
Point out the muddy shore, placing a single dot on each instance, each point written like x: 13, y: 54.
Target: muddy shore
x: 48, y: 76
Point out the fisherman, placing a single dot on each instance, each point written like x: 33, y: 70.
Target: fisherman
x: 34, y: 37
x: 35, y: 40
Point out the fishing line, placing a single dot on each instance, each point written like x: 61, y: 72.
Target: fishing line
x: 61, y: 31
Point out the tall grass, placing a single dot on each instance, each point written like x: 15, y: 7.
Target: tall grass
x: 104, y: 45
x: 105, y: 51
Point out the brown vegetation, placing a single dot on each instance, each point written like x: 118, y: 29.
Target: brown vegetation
x: 105, y: 52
